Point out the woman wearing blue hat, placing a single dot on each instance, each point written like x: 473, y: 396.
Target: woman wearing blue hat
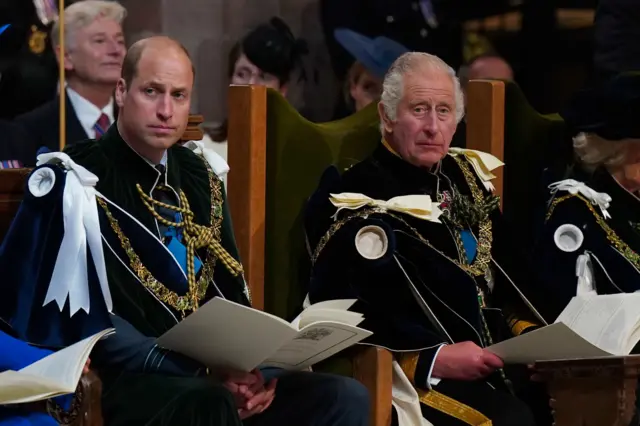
x: 590, y: 241
x: 372, y: 59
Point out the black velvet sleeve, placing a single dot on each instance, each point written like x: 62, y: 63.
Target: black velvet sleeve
x: 130, y: 350
x: 556, y: 268
x: 341, y: 272
x: 513, y: 278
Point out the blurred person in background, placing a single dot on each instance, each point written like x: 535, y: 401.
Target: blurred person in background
x: 269, y: 55
x: 372, y: 58
x: 94, y: 51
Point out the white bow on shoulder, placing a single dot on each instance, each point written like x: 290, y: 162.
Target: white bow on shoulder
x: 483, y: 163
x: 419, y: 206
x: 81, y: 229
x: 574, y: 187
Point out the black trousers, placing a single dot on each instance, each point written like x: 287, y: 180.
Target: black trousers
x: 314, y: 399
x: 302, y: 399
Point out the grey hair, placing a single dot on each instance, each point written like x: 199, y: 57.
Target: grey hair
x: 593, y: 151
x: 393, y: 85
x: 81, y: 14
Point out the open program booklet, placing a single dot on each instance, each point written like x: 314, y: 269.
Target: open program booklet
x: 55, y: 375
x: 225, y: 334
x: 589, y: 327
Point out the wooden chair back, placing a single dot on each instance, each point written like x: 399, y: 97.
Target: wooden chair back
x: 485, y: 122
x: 276, y: 159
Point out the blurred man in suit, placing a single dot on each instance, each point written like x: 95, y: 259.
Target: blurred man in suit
x: 94, y: 51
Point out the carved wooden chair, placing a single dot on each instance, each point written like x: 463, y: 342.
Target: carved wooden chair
x: 87, y: 407
x: 593, y: 392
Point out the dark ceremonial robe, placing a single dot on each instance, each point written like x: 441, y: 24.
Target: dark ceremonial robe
x: 614, y: 243
x: 424, y: 291
x: 142, y: 383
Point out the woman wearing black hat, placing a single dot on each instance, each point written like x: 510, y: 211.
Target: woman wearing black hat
x: 590, y: 242
x: 267, y: 56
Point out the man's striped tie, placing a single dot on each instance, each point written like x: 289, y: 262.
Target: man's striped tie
x: 10, y: 164
x: 101, y: 125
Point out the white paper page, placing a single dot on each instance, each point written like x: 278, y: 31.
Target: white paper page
x: 339, y: 304
x: 18, y: 388
x: 56, y: 374
x: 606, y: 321
x: 553, y: 342
x: 315, y: 343
x: 65, y: 366
x: 334, y: 315
x: 222, y: 333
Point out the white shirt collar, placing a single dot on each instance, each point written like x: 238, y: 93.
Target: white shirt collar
x: 163, y: 160
x: 87, y: 113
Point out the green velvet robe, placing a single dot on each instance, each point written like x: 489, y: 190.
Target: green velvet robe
x: 144, y: 384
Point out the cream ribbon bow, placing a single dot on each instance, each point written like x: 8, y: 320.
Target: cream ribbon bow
x: 483, y: 163
x: 419, y: 206
x: 70, y: 278
x: 574, y: 187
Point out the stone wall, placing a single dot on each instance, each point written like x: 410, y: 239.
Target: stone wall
x: 209, y: 28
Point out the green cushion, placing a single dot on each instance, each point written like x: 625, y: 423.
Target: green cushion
x: 298, y: 151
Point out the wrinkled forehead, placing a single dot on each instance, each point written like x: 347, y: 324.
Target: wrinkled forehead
x: 429, y: 83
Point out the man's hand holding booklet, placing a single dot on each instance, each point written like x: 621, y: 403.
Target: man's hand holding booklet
x: 225, y: 334
x: 593, y: 326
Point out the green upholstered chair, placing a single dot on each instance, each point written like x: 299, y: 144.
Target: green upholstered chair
x: 298, y: 151
x: 277, y: 158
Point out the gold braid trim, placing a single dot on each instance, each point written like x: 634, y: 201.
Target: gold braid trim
x: 485, y: 234
x: 555, y: 202
x: 195, y: 236
x: 189, y: 302
x: 453, y: 408
x: 613, y: 238
x: 483, y: 258
x: 364, y: 213
x: 180, y: 303
x: 408, y: 361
